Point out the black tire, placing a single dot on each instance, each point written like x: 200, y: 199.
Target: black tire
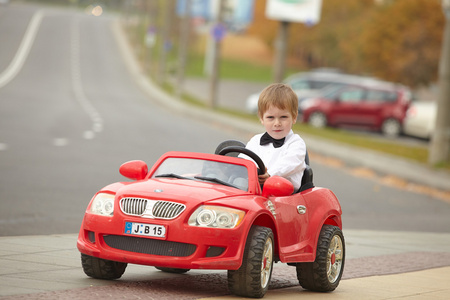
x: 252, y: 279
x: 325, y: 273
x: 101, y: 268
x: 318, y: 119
x: 173, y: 270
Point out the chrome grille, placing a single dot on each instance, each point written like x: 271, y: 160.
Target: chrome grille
x: 167, y: 210
x: 133, y: 206
x: 151, y: 208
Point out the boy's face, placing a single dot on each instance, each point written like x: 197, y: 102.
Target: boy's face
x: 277, y: 122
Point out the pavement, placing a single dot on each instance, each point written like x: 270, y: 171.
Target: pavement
x: 379, y: 264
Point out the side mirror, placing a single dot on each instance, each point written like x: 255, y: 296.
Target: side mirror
x: 135, y: 169
x: 277, y: 186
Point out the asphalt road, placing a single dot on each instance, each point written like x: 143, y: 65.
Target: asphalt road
x: 71, y: 115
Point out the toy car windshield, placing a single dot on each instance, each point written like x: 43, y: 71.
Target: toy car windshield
x: 204, y: 170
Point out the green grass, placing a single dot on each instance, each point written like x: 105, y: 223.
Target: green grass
x: 416, y: 153
x: 234, y: 69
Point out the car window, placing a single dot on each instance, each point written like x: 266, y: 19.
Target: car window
x: 331, y: 92
x: 320, y: 84
x: 352, y: 95
x: 381, y: 96
x: 301, y: 84
x: 235, y: 175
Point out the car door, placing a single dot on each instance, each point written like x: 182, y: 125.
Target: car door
x: 347, y: 107
x: 376, y: 101
x: 292, y: 218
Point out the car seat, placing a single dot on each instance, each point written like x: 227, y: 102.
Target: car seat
x: 307, y: 178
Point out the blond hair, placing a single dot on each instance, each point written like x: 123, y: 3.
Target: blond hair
x: 279, y: 95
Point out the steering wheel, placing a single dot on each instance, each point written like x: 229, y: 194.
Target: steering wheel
x: 249, y: 153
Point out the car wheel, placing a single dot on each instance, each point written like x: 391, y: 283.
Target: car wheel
x: 391, y: 127
x: 317, y: 119
x: 324, y: 274
x: 173, y: 270
x: 253, y: 277
x: 101, y: 268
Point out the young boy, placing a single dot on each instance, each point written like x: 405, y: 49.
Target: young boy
x: 282, y: 151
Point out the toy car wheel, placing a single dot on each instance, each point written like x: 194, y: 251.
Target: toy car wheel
x: 253, y: 277
x: 173, y: 270
x: 324, y: 274
x: 101, y: 268
x: 318, y: 120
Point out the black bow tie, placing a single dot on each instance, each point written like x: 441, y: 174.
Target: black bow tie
x: 267, y: 139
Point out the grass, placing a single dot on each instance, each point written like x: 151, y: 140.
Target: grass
x: 416, y: 153
x: 234, y: 69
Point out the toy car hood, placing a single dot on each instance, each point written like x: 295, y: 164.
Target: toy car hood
x: 185, y: 191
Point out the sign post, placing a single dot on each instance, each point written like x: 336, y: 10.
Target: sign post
x: 286, y: 11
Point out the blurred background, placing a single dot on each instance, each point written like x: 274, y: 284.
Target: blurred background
x: 370, y: 74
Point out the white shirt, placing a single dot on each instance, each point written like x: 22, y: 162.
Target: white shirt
x: 287, y: 161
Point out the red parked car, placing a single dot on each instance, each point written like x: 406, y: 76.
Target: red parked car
x: 208, y: 211
x: 369, y: 103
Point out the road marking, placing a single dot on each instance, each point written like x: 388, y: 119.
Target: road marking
x: 80, y: 96
x: 88, y: 135
x: 24, y: 49
x: 60, y: 142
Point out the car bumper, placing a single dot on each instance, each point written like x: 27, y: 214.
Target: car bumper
x: 184, y: 247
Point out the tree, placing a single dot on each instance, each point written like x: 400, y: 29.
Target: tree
x: 396, y: 40
x: 402, y: 43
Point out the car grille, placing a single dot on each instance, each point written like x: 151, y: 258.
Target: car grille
x: 151, y: 208
x: 149, y: 246
x: 133, y: 206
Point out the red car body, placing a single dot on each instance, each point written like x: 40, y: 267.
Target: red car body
x: 376, y: 105
x: 295, y: 219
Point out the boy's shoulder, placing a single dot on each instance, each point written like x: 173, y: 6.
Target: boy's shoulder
x: 296, y: 139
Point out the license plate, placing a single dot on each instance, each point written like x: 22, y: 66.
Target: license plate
x: 145, y: 229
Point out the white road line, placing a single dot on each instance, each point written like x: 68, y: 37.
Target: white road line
x: 24, y: 49
x: 60, y: 142
x: 21, y: 55
x: 19, y: 59
x: 86, y: 104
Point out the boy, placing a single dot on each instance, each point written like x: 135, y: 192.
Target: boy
x: 282, y: 151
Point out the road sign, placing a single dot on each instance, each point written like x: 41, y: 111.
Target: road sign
x: 301, y: 11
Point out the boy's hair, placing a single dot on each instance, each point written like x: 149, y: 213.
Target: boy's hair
x: 279, y: 95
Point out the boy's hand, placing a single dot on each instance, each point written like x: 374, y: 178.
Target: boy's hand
x: 262, y: 178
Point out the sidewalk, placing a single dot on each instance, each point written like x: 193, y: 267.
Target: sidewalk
x: 379, y: 265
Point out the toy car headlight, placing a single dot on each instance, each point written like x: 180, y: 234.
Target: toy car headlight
x: 216, y: 217
x: 103, y: 204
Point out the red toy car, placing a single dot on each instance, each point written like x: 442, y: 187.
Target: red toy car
x: 208, y: 211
